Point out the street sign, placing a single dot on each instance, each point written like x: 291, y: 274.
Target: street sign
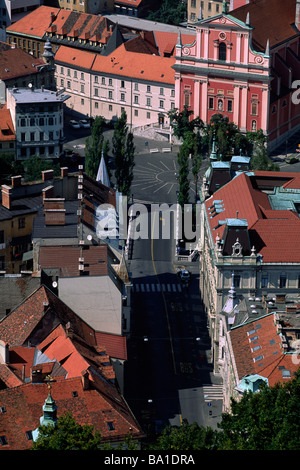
x: 209, y: 403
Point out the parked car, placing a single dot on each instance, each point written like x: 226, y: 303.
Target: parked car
x: 84, y: 123
x: 292, y: 159
x: 74, y: 124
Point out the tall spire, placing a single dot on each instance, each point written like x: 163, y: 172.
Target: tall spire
x: 267, y: 51
x: 49, y: 417
x: 102, y: 175
x: 248, y: 19
x: 213, y: 155
x: 179, y: 43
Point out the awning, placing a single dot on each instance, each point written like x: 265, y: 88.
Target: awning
x: 27, y: 256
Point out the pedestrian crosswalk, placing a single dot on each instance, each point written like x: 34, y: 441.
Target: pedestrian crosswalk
x: 156, y: 287
x: 212, y: 392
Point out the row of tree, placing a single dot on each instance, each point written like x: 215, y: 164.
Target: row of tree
x: 123, y: 150
x: 265, y: 420
x: 197, y: 141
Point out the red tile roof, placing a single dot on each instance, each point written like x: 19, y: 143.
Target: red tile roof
x: 35, y: 23
x: 166, y: 41
x: 271, y: 19
x: 68, y: 352
x: 140, y: 66
x: 274, y: 233
x: 269, y: 354
x: 16, y: 63
x: 116, y: 346
x: 41, y: 306
x: 66, y: 259
x: 7, y: 132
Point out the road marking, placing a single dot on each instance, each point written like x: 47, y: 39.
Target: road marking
x: 212, y: 392
x: 158, y: 189
x: 164, y: 300
x: 165, y: 165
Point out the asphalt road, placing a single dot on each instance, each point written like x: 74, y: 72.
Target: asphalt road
x: 168, y: 375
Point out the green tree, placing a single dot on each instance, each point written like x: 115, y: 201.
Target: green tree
x: 183, y: 176
x: 182, y: 123
x: 225, y: 133
x: 123, y: 151
x: 169, y: 12
x: 186, y: 437
x: 267, y: 420
x: 34, y: 166
x: 96, y: 146
x: 67, y: 435
x: 261, y: 161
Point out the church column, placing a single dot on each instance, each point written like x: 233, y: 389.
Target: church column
x: 203, y: 99
x: 238, y: 48
x: 196, y: 107
x: 246, y: 48
x: 244, y: 92
x: 199, y: 42
x: 264, y: 123
x: 206, y: 43
x: 236, y: 104
x: 177, y: 91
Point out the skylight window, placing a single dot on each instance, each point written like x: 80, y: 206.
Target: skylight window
x: 258, y: 358
x: 110, y: 425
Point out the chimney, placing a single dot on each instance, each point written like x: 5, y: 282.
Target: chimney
x: 48, y: 192
x: 6, y: 196
x: 69, y: 330
x: 4, y: 352
x: 64, y: 171
x: 54, y: 210
x: 16, y: 181
x: 297, y: 15
x: 47, y: 175
x: 85, y: 379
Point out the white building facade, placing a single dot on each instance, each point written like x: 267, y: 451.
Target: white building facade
x: 37, y: 116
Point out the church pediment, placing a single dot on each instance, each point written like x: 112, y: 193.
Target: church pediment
x: 223, y: 20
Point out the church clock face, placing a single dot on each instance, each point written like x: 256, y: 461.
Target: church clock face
x: 186, y: 51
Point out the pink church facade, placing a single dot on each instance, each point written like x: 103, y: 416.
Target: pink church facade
x: 243, y: 69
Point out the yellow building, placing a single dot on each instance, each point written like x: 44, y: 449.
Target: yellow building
x: 16, y: 223
x: 208, y: 8
x: 88, y: 6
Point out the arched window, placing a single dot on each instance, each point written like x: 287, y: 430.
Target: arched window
x: 222, y: 51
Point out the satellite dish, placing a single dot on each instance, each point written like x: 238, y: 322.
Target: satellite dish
x: 54, y: 284
x: 29, y: 85
x: 89, y: 237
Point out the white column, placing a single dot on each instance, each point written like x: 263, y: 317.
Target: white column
x: 265, y: 109
x: 246, y: 48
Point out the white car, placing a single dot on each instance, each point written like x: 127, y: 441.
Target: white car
x: 84, y: 123
x: 74, y: 124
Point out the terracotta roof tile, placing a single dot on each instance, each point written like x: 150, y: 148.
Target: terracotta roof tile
x: 274, y: 233
x: 115, y: 345
x: 257, y: 350
x: 124, y: 63
x: 7, y: 132
x: 271, y: 19
x: 35, y: 23
x: 42, y: 304
x: 66, y: 259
